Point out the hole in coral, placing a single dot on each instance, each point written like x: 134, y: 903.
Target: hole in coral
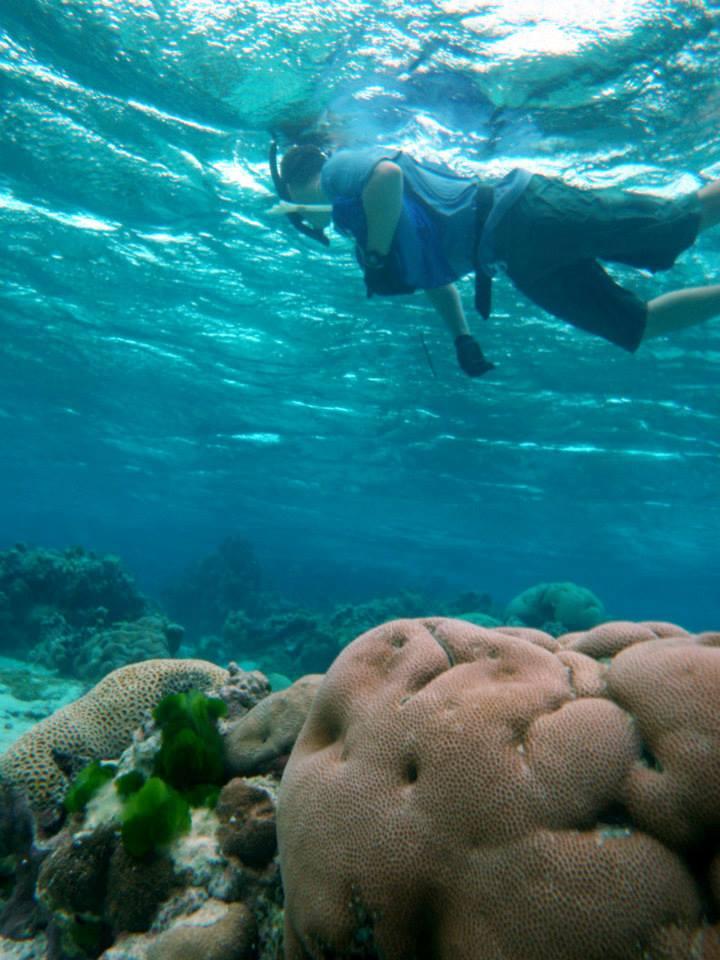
x: 615, y: 817
x: 411, y: 771
x: 520, y: 729
x: 68, y: 762
x: 698, y: 858
x: 649, y: 760
x: 426, y: 939
x: 323, y: 733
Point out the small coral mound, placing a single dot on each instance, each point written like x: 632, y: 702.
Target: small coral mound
x: 461, y: 793
x: 218, y: 931
x: 556, y: 608
x: 262, y: 739
x: 99, y: 725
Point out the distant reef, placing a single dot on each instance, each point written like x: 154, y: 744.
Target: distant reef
x: 77, y: 613
x: 83, y: 616
x: 229, y: 612
x: 445, y: 790
x: 227, y: 579
x: 290, y: 640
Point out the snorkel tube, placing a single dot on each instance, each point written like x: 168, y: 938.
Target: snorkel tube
x: 282, y: 191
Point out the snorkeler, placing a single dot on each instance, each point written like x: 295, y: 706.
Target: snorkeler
x: 420, y: 226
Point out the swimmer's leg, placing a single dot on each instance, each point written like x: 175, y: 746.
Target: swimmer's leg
x: 709, y: 197
x: 681, y: 308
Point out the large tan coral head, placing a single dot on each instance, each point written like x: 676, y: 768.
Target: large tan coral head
x: 462, y: 793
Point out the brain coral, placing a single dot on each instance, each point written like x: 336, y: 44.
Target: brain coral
x: 99, y: 725
x: 461, y: 793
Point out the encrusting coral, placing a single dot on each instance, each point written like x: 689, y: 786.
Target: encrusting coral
x: 99, y: 725
x: 218, y: 931
x: 461, y: 793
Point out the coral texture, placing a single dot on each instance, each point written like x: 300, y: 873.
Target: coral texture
x: 461, y: 793
x: 243, y: 690
x: 99, y: 725
x: 136, y: 889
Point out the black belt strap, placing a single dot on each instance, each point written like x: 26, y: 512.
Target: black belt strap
x: 483, y: 283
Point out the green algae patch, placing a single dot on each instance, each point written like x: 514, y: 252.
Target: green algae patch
x: 191, y: 753
x: 188, y: 771
x: 87, y: 783
x: 129, y: 783
x: 153, y: 817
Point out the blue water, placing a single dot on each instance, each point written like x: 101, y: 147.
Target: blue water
x: 177, y: 366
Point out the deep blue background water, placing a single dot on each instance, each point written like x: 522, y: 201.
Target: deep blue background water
x: 176, y: 365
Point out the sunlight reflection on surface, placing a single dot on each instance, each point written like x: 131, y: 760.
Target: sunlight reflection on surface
x: 562, y: 27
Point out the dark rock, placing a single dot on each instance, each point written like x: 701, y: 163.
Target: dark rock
x: 135, y: 890
x: 247, y: 823
x: 74, y: 876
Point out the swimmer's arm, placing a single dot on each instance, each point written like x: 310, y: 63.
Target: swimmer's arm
x: 448, y: 305
x: 382, y: 203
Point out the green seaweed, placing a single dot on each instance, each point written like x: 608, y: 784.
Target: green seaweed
x: 189, y: 769
x: 87, y: 783
x: 190, y: 764
x: 153, y: 817
x: 129, y: 783
x: 191, y: 751
x: 203, y: 795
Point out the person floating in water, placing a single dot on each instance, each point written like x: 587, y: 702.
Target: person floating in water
x: 420, y: 226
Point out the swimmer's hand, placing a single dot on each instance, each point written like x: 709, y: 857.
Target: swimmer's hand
x: 382, y: 274
x: 286, y: 207
x: 470, y: 356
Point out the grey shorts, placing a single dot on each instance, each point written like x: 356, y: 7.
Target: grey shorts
x: 553, y: 236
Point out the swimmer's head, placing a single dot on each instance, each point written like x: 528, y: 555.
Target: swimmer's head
x: 298, y: 179
x: 301, y: 165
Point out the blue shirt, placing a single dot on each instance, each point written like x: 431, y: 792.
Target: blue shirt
x: 435, y: 240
